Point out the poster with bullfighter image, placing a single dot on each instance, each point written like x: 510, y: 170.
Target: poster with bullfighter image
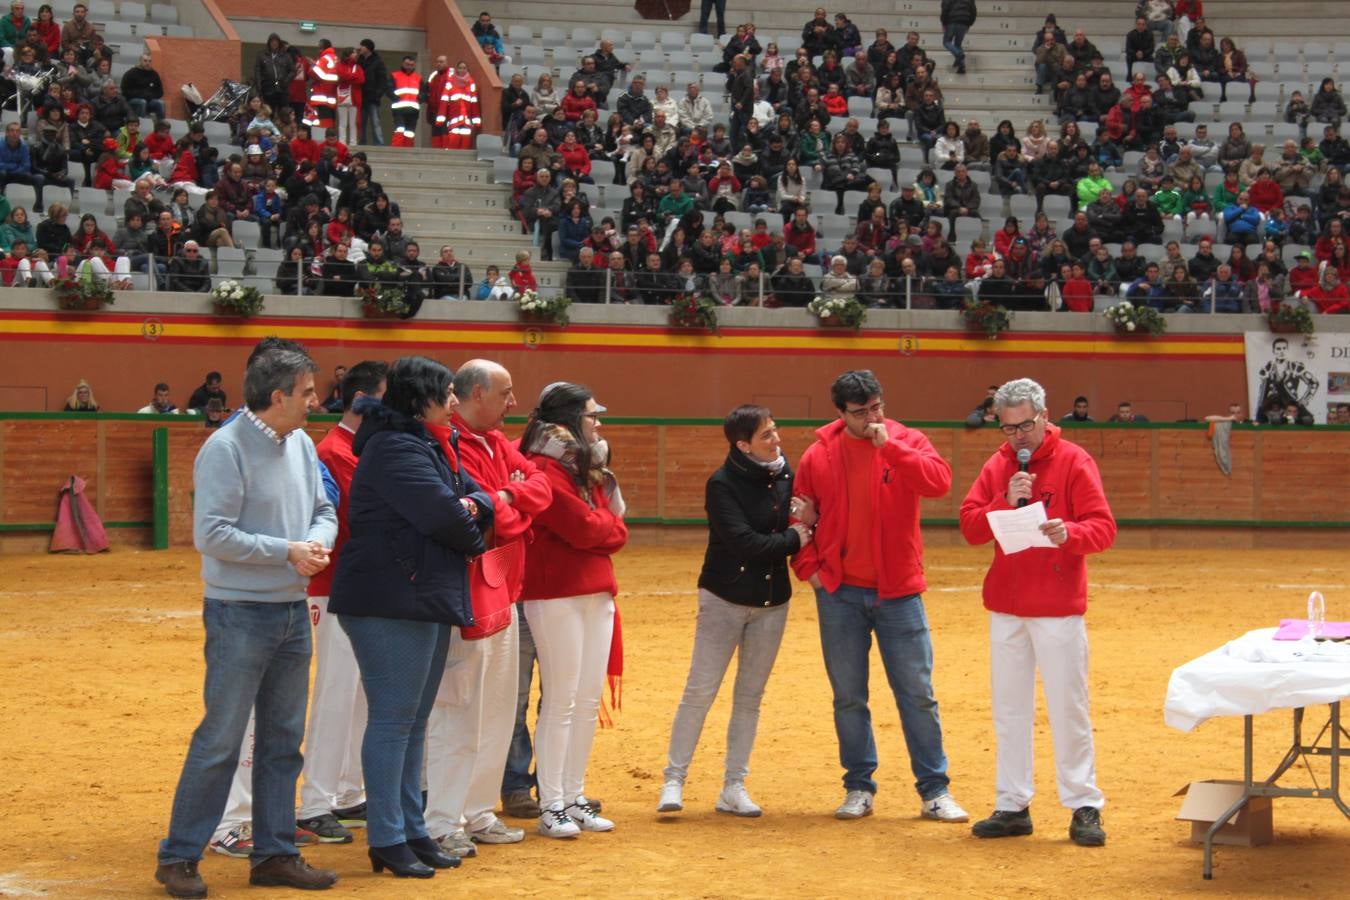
x: 1303, y: 374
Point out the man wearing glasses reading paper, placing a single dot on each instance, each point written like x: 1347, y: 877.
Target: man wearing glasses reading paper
x: 1036, y: 599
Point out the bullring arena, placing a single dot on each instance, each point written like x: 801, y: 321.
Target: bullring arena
x: 102, y: 654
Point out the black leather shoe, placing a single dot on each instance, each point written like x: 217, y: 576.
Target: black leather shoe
x: 400, y: 860
x: 180, y: 879
x: 1085, y: 828
x: 1003, y: 823
x: 431, y: 854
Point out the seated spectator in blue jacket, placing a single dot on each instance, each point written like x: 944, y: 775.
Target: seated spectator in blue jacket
x: 573, y: 230
x: 270, y: 208
x: 1148, y: 290
x: 16, y: 164
x: 1224, y: 292
x: 1243, y: 221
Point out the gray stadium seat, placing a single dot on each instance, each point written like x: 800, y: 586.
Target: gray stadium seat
x: 163, y: 14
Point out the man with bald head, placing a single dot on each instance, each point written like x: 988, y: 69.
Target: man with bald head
x: 471, y: 725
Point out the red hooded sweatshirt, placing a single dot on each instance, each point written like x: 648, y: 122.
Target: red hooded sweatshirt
x: 1042, y: 581
x: 490, y: 459
x: 335, y: 452
x: 904, y: 470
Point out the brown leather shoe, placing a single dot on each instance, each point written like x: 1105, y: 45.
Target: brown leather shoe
x: 180, y: 879
x: 291, y: 871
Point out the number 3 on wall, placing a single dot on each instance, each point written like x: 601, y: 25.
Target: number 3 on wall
x: 909, y: 345
x: 151, y: 329
x: 533, y: 338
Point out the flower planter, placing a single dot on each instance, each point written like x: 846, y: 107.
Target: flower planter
x: 1283, y: 326
x: 82, y: 304
x: 535, y: 315
x: 831, y: 322
x: 1122, y: 331
x: 371, y: 311
x: 222, y: 309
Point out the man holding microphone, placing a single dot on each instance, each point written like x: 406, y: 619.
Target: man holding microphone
x: 866, y: 475
x: 1036, y: 599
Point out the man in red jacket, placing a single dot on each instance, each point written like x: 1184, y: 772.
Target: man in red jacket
x: 471, y: 726
x: 866, y: 475
x: 1036, y: 599
x: 333, y: 795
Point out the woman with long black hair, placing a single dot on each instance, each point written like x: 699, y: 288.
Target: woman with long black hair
x: 568, y: 598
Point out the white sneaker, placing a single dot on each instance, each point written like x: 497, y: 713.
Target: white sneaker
x: 457, y: 844
x: 736, y: 800
x: 944, y: 809
x: 856, y: 805
x: 672, y: 797
x: 498, y: 833
x: 555, y: 823
x: 581, y: 813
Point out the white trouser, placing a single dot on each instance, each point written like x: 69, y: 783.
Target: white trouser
x: 572, y: 636
x: 121, y: 268
x: 193, y: 188
x: 239, y: 805
x: 28, y: 270
x: 347, y: 120
x: 469, y: 732
x: 337, y: 721
x: 1058, y: 647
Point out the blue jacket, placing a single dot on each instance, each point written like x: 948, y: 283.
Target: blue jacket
x: 410, y: 538
x: 15, y: 159
x: 1143, y: 293
x: 1227, y: 295
x: 264, y: 209
x: 1246, y: 222
x: 571, y: 235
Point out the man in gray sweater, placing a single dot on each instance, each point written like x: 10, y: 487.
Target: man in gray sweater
x: 264, y: 525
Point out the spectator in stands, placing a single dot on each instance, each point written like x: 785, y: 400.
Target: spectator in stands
x: 540, y: 210
x: 545, y: 98
x: 81, y: 399
x: 138, y: 246
x: 16, y: 166
x: 1242, y: 220
x: 189, y: 271
x: 212, y: 224
x: 14, y: 28
x: 1080, y: 411
x: 161, y: 404
x: 1050, y: 56
x: 1126, y: 415
x: 273, y: 70
x: 208, y: 391
x: 1327, y: 104
x: 1139, y: 48
x: 633, y: 104
x: 78, y: 33
x: 374, y: 87
x: 791, y: 286
x: 338, y: 273
x: 1330, y: 295
x: 1223, y: 293
x: 1230, y: 65
x: 142, y: 88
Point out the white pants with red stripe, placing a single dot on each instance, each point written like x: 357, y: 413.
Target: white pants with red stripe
x: 469, y: 732
x: 1058, y: 647
x: 337, y: 721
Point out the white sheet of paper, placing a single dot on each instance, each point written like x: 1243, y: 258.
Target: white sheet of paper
x: 1019, y: 529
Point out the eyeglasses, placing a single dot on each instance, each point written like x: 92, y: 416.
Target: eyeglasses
x: 1023, y: 427
x: 872, y: 410
x: 593, y: 416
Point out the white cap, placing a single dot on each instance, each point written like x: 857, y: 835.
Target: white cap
x: 253, y: 150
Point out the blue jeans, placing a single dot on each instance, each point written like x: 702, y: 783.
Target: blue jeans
x: 848, y: 619
x: 518, y: 776
x: 140, y: 106
x: 370, y: 124
x: 952, y: 36
x: 401, y: 664
x: 257, y: 656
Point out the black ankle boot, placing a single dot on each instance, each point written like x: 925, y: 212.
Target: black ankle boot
x: 431, y: 854
x: 400, y: 860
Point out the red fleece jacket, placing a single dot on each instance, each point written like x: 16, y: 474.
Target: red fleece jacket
x: 905, y: 470
x: 335, y: 452
x: 490, y: 458
x: 573, y: 541
x: 1042, y: 581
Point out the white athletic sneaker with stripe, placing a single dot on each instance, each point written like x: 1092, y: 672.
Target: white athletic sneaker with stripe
x: 586, y: 818
x: 555, y: 823
x: 944, y: 809
x: 672, y: 797
x: 735, y: 799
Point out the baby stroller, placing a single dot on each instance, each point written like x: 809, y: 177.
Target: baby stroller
x: 219, y: 106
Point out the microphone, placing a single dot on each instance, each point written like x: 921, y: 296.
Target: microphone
x: 1023, y: 460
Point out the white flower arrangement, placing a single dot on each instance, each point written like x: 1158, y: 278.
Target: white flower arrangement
x: 845, y: 309
x: 551, y: 308
x: 1127, y: 317
x: 236, y: 298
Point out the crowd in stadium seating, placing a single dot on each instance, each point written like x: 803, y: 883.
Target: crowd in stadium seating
x: 1114, y: 189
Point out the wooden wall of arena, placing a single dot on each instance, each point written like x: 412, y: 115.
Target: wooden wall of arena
x: 1162, y: 480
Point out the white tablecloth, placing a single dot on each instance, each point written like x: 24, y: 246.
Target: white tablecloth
x: 1255, y: 674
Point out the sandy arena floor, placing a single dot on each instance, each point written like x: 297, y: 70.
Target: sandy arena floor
x: 101, y: 661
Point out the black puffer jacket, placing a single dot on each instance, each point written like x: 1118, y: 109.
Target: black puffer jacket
x: 748, y: 536
x: 410, y: 536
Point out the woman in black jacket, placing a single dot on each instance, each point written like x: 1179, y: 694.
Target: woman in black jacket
x: 401, y: 583
x: 742, y: 599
